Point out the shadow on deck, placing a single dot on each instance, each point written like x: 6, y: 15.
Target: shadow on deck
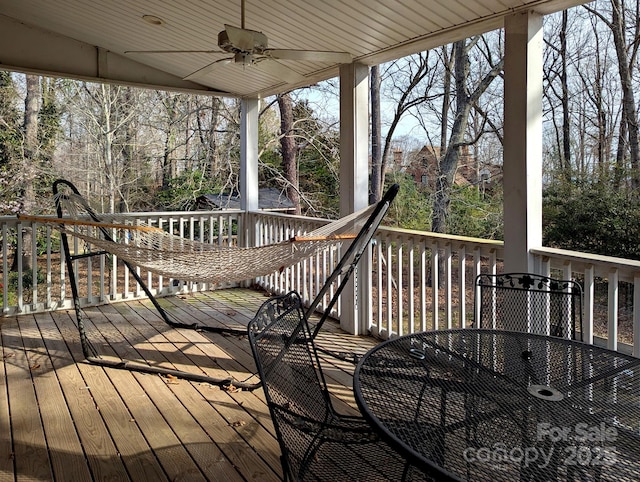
x: 64, y: 419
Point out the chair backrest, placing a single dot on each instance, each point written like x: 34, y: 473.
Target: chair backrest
x: 530, y: 303
x: 293, y: 383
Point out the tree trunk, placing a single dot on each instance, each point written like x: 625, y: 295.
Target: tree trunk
x: 626, y: 81
x: 29, y: 164
x: 620, y: 150
x: 107, y: 146
x: 128, y: 152
x: 448, y: 164
x: 566, y: 138
x: 289, y: 151
x: 448, y: 60
x: 169, y: 167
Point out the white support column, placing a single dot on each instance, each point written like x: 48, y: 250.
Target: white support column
x: 249, y: 161
x: 354, y: 183
x: 522, y: 140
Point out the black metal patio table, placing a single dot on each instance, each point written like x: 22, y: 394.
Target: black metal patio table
x: 484, y: 405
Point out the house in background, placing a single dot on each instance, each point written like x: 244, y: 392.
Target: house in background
x: 422, y: 166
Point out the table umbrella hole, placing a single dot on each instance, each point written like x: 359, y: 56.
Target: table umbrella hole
x: 545, y: 392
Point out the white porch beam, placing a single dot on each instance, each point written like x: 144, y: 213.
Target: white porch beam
x: 522, y: 140
x: 354, y: 181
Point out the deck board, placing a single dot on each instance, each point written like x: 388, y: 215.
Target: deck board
x: 6, y: 443
x: 99, y: 450
x: 62, y: 440
x: 62, y: 418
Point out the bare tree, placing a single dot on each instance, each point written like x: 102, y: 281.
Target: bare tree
x: 173, y: 120
x: 30, y: 161
x: 619, y: 24
x: 557, y: 94
x: 10, y: 143
x: 103, y: 114
x: 466, y: 99
x: 289, y: 149
x: 408, y: 82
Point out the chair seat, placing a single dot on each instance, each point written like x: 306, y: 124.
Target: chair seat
x: 316, y: 442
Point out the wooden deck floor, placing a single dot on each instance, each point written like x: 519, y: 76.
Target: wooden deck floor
x: 64, y: 419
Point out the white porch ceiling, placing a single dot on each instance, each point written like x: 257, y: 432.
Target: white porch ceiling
x: 87, y: 39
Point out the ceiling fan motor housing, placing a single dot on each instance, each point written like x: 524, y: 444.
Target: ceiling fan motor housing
x: 253, y: 42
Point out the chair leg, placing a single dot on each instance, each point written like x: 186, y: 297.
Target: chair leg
x: 285, y: 468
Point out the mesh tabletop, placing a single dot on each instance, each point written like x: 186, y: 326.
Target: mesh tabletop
x: 494, y: 405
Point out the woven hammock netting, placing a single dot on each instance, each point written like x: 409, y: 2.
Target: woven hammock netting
x: 187, y: 260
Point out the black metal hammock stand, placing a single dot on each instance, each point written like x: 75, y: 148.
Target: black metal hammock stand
x: 370, y: 219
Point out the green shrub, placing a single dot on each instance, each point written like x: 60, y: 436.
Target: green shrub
x: 27, y: 279
x: 594, y: 217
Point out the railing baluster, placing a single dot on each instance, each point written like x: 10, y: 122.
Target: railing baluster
x: 49, y: 280
x: 435, y: 284
x: 448, y: 295
x: 462, y: 286
x: 477, y: 269
x: 34, y: 267
x: 423, y: 286
x: 5, y: 269
x: 411, y: 287
x: 612, y: 315
x: 89, y: 263
x: 19, y: 264
x: 399, y: 287
x: 379, y: 276
x: 389, y: 271
x: 636, y: 315
x: 588, y: 292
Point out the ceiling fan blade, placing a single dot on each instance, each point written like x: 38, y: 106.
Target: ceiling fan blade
x: 208, y: 68
x: 174, y: 52
x: 242, y: 39
x: 310, y: 55
x: 278, y: 70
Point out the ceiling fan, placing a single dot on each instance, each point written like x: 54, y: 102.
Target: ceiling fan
x: 250, y: 48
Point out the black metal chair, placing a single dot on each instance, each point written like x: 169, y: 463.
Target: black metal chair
x: 316, y: 442
x: 530, y: 303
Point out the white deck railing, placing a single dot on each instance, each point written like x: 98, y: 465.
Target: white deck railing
x: 418, y: 280
x: 309, y: 275
x: 611, y: 289
x: 100, y: 279
x: 427, y: 279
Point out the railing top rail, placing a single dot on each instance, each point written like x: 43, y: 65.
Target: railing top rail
x: 390, y: 229
x: 586, y: 259
x: 195, y: 214
x: 305, y: 219
x: 146, y: 214
x: 447, y: 237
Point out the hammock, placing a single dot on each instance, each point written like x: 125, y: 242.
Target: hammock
x: 152, y: 248
x: 188, y: 260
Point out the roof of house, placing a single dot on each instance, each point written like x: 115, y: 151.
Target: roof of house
x: 269, y: 199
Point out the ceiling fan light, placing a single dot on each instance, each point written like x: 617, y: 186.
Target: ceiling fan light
x: 153, y: 20
x: 243, y: 58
